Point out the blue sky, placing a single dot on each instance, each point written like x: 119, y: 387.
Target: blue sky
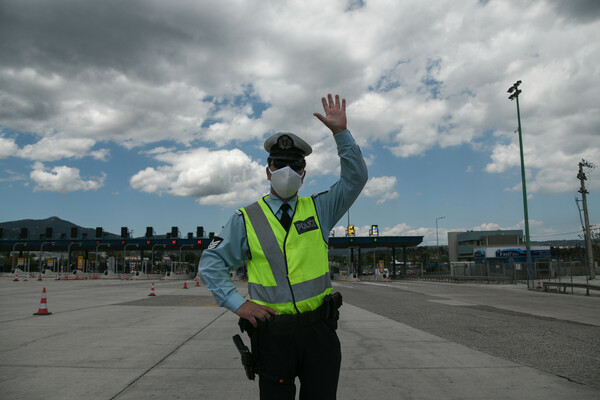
x: 153, y: 114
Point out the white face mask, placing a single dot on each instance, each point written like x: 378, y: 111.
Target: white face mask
x: 285, y: 181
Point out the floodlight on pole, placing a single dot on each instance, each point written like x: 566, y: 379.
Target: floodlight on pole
x: 515, y: 91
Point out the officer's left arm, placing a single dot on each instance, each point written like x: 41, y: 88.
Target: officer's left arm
x: 332, y: 205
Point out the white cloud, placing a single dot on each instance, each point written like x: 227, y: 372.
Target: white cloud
x: 417, y: 76
x: 62, y: 179
x: 8, y: 147
x: 381, y: 188
x: 406, y: 230
x: 56, y: 147
x: 222, y: 177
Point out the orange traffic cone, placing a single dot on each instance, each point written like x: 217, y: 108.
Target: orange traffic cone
x: 43, y: 310
x: 185, y: 285
x: 16, y: 278
x: 25, y: 279
x: 539, y: 284
x: 197, y: 283
x: 152, y: 290
x: 39, y: 277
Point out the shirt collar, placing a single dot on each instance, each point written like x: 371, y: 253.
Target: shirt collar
x: 275, y: 203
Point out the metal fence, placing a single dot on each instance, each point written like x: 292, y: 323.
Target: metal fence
x: 510, y: 272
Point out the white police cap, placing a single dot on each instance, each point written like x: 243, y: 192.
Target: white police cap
x: 286, y: 145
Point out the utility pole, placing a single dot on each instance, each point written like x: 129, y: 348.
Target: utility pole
x: 514, y: 94
x: 588, y: 237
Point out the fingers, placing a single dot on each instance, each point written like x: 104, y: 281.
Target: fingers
x: 253, y: 312
x: 329, y: 103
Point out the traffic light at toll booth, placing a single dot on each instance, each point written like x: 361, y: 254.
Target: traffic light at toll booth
x: 350, y: 230
x: 48, y: 232
x: 149, y: 231
x: 199, y: 231
x: 24, y: 233
x: 73, y: 232
x: 124, y: 233
x: 99, y: 232
x: 174, y: 232
x: 374, y: 230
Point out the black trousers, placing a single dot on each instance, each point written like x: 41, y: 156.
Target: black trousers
x: 311, y: 353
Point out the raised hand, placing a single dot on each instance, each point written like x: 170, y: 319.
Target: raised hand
x: 335, y: 113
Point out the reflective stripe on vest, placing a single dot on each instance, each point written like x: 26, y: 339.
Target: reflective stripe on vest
x: 288, y: 271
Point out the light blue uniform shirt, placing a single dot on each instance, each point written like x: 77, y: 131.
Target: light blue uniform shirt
x: 227, y: 251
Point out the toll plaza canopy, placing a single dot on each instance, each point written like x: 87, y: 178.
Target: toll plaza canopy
x: 374, y: 241
x: 133, y: 244
x: 138, y: 244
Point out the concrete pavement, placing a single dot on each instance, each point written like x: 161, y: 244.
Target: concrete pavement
x: 107, y: 339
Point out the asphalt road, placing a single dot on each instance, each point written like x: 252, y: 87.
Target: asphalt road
x: 556, y: 333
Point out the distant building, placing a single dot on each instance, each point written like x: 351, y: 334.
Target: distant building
x: 462, y: 245
x: 500, y: 246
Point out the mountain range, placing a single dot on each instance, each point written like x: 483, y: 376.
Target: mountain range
x: 38, y: 229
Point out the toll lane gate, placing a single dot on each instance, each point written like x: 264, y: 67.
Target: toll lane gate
x: 356, y: 243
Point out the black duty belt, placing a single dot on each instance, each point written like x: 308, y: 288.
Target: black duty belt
x: 284, y: 324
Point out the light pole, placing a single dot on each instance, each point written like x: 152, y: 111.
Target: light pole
x: 514, y: 94
x: 69, y: 253
x: 13, y: 253
x: 425, y: 262
x: 181, y: 247
x: 41, y: 247
x: 99, y: 244
x: 152, y: 266
x: 438, y: 241
x: 125, y: 254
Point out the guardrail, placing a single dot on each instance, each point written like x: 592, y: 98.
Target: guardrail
x: 460, y: 279
x: 565, y: 285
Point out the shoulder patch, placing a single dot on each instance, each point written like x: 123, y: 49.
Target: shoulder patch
x: 215, y: 243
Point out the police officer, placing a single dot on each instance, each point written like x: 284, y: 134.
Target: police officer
x: 289, y: 314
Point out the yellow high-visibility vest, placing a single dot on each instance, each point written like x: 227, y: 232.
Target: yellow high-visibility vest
x: 287, y: 271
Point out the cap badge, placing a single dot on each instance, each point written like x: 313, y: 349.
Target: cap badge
x: 285, y: 142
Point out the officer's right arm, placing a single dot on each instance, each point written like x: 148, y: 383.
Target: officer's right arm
x: 224, y: 252
x: 229, y: 249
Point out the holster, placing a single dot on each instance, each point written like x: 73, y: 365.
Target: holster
x: 331, y: 305
x: 250, y: 359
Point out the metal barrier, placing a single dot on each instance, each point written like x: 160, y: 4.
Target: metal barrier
x: 565, y: 285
